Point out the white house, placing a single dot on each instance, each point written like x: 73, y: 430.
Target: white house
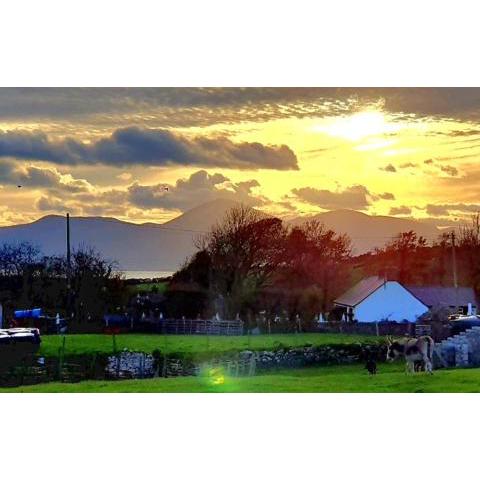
x: 374, y: 299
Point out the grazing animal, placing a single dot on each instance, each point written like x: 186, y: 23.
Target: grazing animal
x: 371, y: 366
x: 415, y: 351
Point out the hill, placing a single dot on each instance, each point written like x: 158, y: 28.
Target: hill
x: 153, y: 246
x: 368, y: 231
x: 148, y: 246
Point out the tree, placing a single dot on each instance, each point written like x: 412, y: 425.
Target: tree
x: 188, y: 292
x: 469, y: 252
x: 244, y: 250
x: 405, y: 257
x: 314, y: 261
x: 28, y: 279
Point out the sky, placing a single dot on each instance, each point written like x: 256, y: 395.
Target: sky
x: 149, y: 154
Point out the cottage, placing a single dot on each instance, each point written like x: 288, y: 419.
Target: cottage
x: 375, y: 299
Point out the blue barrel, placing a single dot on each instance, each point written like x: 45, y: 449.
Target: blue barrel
x: 33, y: 313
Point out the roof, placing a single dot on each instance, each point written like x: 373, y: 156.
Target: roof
x: 444, y: 296
x: 360, y: 291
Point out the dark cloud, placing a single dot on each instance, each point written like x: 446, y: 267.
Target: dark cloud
x: 386, y: 196
x: 429, y: 161
x: 286, y: 205
x: 389, y: 168
x: 38, y: 177
x: 49, y: 203
x: 462, y: 133
x: 445, y: 209
x: 408, y: 165
x: 402, y: 210
x: 168, y: 107
x: 449, y: 170
x: 354, y: 197
x: 199, y: 188
x: 202, y: 106
x: 130, y: 146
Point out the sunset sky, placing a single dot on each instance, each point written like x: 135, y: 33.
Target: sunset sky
x: 290, y: 151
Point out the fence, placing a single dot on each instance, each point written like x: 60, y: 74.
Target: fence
x: 382, y: 328
x: 202, y: 327
x: 437, y: 330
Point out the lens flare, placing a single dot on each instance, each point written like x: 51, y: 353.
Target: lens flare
x: 216, y: 376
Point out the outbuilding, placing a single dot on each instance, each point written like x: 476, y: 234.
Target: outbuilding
x: 460, y: 299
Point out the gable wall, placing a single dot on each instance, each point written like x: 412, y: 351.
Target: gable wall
x: 390, y: 302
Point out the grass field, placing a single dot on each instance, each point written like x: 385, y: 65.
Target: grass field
x: 353, y: 378
x: 191, y: 344
x: 148, y: 287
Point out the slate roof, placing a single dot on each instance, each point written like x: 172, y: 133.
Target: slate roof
x: 437, y: 296
x: 360, y: 291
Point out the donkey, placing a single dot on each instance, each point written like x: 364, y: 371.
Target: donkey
x: 414, y: 350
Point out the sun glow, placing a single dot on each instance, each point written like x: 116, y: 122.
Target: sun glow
x: 359, y: 125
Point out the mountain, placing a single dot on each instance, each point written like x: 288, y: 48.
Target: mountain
x: 369, y: 231
x: 202, y: 218
x: 148, y: 246
x: 153, y: 246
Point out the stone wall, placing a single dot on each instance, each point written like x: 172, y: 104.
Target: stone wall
x: 462, y: 350
x: 246, y: 363
x: 130, y: 365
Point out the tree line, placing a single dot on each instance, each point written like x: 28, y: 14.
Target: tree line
x: 29, y: 278
x: 252, y: 264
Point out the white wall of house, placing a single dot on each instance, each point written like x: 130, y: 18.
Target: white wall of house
x: 390, y: 302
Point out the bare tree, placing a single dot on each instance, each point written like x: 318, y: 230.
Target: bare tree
x: 244, y: 249
x: 17, y: 258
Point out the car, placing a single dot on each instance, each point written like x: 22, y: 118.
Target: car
x: 16, y: 345
x: 461, y: 323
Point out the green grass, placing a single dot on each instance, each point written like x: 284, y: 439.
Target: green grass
x: 351, y: 378
x: 190, y: 344
x: 147, y: 287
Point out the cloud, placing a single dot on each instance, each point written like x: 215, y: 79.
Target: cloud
x: 389, y: 168
x: 186, y: 193
x: 402, y: 210
x: 202, y: 106
x: 386, y: 196
x: 135, y: 146
x: 463, y: 133
x: 408, y: 165
x: 50, y: 204
x: 354, y: 197
x: 124, y: 176
x: 449, y: 170
x: 40, y: 178
x: 169, y: 107
x: 429, y: 161
x: 199, y: 188
x: 445, y: 209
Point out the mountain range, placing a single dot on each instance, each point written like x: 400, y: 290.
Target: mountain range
x: 152, y: 246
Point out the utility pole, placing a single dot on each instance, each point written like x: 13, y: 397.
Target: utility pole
x: 454, y: 267
x: 69, y: 271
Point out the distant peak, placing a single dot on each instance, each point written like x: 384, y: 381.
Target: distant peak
x: 346, y: 211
